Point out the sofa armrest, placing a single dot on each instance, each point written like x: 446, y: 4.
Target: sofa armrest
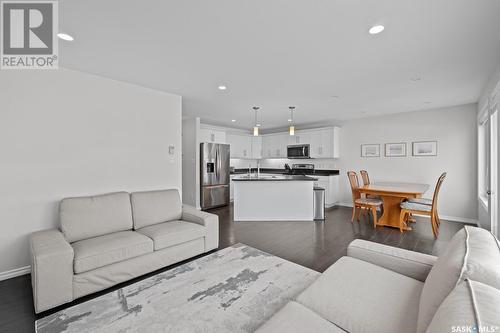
x: 210, y: 221
x: 51, y: 269
x: 412, y: 264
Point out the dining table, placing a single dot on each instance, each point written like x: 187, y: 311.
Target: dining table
x: 392, y: 194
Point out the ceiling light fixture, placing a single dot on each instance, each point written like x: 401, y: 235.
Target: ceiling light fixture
x: 291, y: 128
x: 222, y: 87
x: 233, y: 120
x: 256, y: 126
x: 65, y: 37
x: 376, y: 29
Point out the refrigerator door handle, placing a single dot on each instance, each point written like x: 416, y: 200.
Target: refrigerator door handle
x: 217, y: 164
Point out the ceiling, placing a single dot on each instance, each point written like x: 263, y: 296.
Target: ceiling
x: 316, y: 55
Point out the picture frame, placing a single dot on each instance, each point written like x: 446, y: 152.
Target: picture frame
x: 370, y: 150
x: 424, y: 148
x: 395, y: 149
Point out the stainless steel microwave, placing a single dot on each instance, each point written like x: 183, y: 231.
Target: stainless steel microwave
x: 299, y: 151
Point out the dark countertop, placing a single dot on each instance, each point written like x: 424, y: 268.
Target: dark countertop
x: 254, y: 177
x: 320, y: 172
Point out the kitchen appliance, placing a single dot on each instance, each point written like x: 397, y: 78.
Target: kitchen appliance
x: 299, y: 151
x: 214, y: 176
x: 319, y: 203
x: 303, y: 169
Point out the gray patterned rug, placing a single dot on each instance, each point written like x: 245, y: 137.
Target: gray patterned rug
x: 232, y: 290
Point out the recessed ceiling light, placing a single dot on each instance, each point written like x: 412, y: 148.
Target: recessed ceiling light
x: 222, y: 87
x: 376, y: 29
x: 289, y: 120
x: 233, y: 120
x: 65, y: 37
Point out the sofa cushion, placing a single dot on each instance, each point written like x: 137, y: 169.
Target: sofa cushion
x: 296, y: 318
x: 87, y: 217
x: 472, y: 253
x: 100, y: 251
x: 153, y: 207
x: 471, y: 307
x: 361, y: 297
x: 172, y: 233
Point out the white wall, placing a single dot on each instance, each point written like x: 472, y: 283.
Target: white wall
x: 455, y: 130
x: 65, y: 133
x: 191, y: 162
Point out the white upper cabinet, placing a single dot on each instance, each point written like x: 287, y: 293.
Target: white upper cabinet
x: 257, y: 147
x: 275, y: 145
x: 208, y: 134
x: 241, y: 145
x: 324, y: 142
x: 300, y: 138
x: 268, y: 143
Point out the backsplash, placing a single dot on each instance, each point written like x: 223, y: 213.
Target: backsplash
x: 279, y: 163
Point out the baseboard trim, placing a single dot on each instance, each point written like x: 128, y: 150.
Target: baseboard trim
x: 442, y: 217
x: 459, y: 219
x: 15, y: 272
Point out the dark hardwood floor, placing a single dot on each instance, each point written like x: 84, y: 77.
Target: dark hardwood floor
x: 316, y: 245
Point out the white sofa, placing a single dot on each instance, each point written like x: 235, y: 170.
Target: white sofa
x: 378, y: 288
x: 108, y: 239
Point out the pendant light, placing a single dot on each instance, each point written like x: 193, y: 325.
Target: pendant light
x: 291, y: 127
x: 255, y: 125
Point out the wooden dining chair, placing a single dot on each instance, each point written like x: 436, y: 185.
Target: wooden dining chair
x: 366, y: 181
x: 360, y: 203
x: 427, y: 207
x: 365, y: 177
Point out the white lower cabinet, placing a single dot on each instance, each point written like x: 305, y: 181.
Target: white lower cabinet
x: 231, y: 188
x: 331, y: 186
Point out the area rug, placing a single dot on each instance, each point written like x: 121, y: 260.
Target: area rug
x: 232, y: 290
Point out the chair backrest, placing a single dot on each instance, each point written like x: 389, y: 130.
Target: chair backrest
x: 436, y: 192
x: 364, y: 177
x: 354, y: 182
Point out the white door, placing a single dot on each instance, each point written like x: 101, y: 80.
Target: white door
x: 488, y: 166
x: 493, y: 192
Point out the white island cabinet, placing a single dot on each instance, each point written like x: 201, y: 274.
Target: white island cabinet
x: 273, y: 198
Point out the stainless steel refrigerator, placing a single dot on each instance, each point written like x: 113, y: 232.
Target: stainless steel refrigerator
x: 214, y: 175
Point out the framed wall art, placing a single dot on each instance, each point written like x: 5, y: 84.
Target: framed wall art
x: 425, y: 148
x: 370, y: 150
x: 395, y: 149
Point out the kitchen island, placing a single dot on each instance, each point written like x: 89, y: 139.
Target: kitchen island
x: 273, y: 198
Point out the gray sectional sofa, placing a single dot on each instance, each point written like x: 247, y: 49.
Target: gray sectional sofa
x: 378, y: 288
x: 107, y: 239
